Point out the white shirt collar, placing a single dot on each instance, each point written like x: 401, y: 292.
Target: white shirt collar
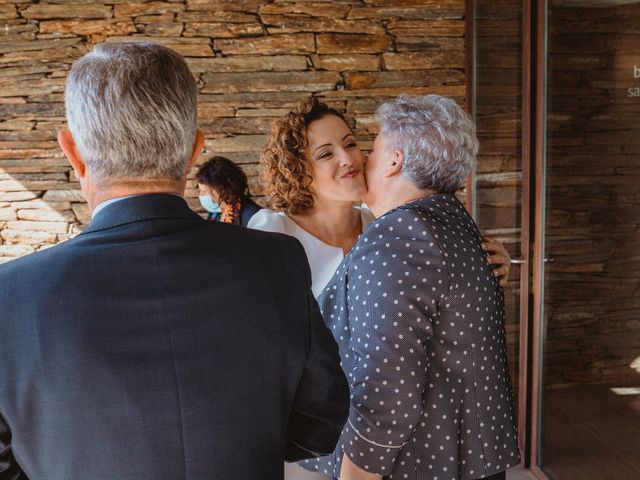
x: 106, y: 203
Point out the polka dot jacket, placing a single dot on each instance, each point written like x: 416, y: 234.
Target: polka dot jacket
x: 419, y: 319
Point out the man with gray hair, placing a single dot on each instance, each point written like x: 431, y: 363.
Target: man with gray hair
x: 157, y: 345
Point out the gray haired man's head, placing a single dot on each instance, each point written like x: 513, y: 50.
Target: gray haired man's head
x: 131, y: 108
x: 436, y: 136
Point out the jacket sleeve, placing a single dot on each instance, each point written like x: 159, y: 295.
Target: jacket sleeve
x: 396, y: 279
x: 9, y: 469
x: 321, y: 404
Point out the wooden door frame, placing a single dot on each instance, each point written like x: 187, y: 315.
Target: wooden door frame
x: 525, y: 239
x: 534, y: 73
x: 533, y: 134
x: 537, y: 180
x: 532, y: 215
x: 470, y: 90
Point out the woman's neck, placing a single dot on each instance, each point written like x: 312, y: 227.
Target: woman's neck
x: 335, y: 223
x: 398, y: 191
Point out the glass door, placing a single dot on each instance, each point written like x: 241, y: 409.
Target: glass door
x: 587, y: 360
x: 556, y: 89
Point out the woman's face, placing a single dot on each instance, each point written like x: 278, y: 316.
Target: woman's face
x: 336, y: 161
x: 205, y: 189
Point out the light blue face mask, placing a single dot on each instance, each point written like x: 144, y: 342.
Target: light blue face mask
x: 208, y: 204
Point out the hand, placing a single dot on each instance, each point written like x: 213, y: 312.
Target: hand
x: 350, y: 471
x: 498, y: 256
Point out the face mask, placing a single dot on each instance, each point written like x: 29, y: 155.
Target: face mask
x: 208, y: 204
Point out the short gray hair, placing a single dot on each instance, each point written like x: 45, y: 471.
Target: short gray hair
x: 132, y: 110
x: 436, y: 136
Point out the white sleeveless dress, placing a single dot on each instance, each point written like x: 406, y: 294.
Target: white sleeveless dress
x: 323, y: 258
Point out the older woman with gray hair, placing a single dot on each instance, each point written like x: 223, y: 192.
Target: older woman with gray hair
x: 418, y: 315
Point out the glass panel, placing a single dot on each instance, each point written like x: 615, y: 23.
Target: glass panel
x: 498, y: 87
x: 591, y: 360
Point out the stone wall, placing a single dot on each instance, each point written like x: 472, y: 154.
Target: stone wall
x: 252, y: 60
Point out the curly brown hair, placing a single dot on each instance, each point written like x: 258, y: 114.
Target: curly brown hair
x: 286, y: 173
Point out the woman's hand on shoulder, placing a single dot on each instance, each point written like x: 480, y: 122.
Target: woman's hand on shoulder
x: 498, y: 256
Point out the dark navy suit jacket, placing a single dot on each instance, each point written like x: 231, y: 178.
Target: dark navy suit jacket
x: 158, y: 345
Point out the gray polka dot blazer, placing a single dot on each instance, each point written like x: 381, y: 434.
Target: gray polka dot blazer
x: 419, y: 319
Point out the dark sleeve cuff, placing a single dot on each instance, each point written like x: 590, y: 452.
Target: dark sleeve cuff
x: 295, y: 452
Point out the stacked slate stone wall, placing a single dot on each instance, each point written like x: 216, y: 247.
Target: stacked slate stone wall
x: 252, y: 61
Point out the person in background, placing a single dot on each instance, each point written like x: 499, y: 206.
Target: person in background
x: 138, y: 355
x: 224, y: 192
x: 419, y: 316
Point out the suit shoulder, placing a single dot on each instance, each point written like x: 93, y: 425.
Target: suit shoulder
x: 36, y: 259
x: 21, y: 276
x: 263, y: 241
x: 272, y: 224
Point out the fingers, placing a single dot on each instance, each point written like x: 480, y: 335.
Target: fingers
x: 503, y: 264
x: 488, y: 245
x: 498, y: 259
x: 503, y: 273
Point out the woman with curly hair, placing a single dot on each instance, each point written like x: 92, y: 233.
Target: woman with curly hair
x: 313, y: 173
x: 223, y: 192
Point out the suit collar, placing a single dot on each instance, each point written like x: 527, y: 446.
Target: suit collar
x: 141, y: 207
x: 107, y: 203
